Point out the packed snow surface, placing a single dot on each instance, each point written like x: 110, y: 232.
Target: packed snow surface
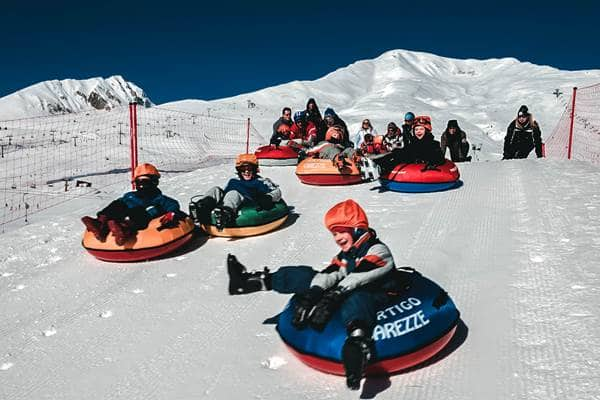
x: 516, y: 247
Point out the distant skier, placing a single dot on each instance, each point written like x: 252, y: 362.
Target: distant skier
x: 360, y: 279
x: 455, y: 139
x: 127, y: 215
x: 365, y: 128
x: 522, y: 136
x: 248, y: 187
x: 282, y: 124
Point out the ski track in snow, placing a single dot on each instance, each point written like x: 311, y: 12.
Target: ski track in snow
x: 514, y: 247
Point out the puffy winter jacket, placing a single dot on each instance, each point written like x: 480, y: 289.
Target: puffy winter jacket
x: 457, y: 143
x: 520, y: 140
x: 368, y: 262
x: 307, y: 135
x: 155, y: 204
x: 254, y: 187
x: 426, y: 150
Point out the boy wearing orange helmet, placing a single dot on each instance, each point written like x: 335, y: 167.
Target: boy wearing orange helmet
x: 132, y: 212
x: 247, y: 187
x: 359, y: 280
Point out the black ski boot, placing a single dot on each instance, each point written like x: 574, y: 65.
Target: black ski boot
x: 200, y: 209
x: 356, y: 354
x: 224, y: 216
x: 242, y: 282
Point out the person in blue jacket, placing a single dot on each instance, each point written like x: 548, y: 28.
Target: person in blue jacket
x: 127, y: 215
x: 247, y: 187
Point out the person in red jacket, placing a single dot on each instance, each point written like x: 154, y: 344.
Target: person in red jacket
x: 371, y: 145
x: 303, y: 132
x: 360, y: 279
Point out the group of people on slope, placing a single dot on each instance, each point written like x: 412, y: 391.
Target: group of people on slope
x: 370, y: 143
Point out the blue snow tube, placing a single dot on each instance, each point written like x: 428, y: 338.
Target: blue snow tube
x: 410, y: 330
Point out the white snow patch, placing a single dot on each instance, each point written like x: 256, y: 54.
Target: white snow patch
x: 49, y: 332
x: 6, y: 274
x: 537, y: 258
x: 180, y: 258
x: 106, y: 314
x: 274, y: 362
x: 19, y: 287
x: 6, y: 366
x: 137, y: 291
x: 170, y: 275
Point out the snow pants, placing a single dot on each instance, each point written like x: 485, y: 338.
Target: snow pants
x: 360, y: 305
x: 118, y: 211
x: 232, y: 199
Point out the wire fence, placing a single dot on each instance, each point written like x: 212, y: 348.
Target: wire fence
x: 46, y: 161
x: 577, y: 134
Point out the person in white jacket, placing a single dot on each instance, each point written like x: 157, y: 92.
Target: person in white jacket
x: 365, y: 128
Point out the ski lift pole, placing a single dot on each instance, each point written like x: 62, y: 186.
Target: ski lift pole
x: 248, y: 136
x: 133, y: 138
x: 570, y: 150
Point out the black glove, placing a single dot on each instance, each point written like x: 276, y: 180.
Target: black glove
x: 276, y: 141
x: 430, y: 167
x: 325, y: 308
x: 264, y: 201
x: 304, y: 305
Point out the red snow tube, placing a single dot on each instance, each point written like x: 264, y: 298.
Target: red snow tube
x: 322, y: 172
x: 148, y: 243
x: 272, y: 155
x: 411, y: 178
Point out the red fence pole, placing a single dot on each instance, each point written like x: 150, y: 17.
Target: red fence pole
x: 248, y: 136
x: 133, y: 138
x: 572, y: 121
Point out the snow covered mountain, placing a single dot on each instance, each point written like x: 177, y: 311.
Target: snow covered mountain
x: 483, y: 95
x: 70, y: 96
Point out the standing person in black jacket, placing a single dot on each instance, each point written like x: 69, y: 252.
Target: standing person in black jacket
x: 522, y: 136
x: 455, y: 139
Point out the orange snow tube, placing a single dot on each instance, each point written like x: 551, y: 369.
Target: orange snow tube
x: 322, y: 172
x: 149, y: 243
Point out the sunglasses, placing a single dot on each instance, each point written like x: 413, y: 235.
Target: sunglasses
x: 246, y: 168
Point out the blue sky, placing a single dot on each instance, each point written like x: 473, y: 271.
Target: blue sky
x: 206, y: 50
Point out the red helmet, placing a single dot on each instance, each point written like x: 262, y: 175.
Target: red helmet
x: 424, y: 121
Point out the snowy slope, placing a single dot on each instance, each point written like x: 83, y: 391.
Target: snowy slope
x: 517, y: 247
x: 71, y: 96
x: 483, y: 95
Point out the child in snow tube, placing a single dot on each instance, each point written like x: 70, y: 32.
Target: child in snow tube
x: 421, y: 148
x: 124, y: 217
x: 217, y: 211
x: 360, y: 279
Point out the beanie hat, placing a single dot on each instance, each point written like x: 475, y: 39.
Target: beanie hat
x: 347, y: 214
x: 392, y: 125
x: 329, y: 112
x: 523, y: 111
x: 452, y: 124
x: 409, y: 116
x: 246, y: 159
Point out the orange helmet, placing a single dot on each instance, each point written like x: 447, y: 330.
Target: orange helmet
x: 423, y: 120
x: 332, y: 130
x: 347, y: 214
x: 246, y: 159
x: 145, y: 169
